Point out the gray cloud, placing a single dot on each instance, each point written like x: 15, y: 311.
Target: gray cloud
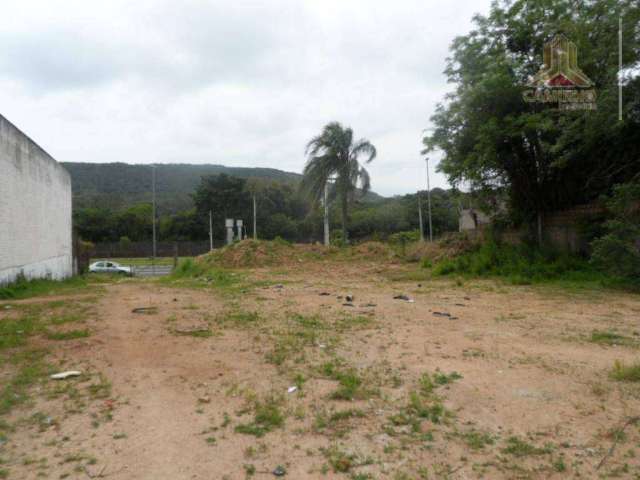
x: 238, y: 83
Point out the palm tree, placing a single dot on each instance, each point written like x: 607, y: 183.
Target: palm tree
x: 334, y: 155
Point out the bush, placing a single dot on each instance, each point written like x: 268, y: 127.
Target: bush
x: 618, y: 251
x: 520, y: 264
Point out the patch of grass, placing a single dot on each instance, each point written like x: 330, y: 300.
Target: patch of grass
x: 520, y: 448
x: 100, y: 389
x: 349, y: 388
x: 239, y: 318
x: 14, y: 331
x: 23, y: 288
x: 431, y: 409
x: 351, y: 385
x: 340, y: 461
x: 610, y: 338
x: 70, y: 335
x: 444, y: 379
x: 199, y: 333
x: 268, y: 416
x: 65, y: 317
x: 523, y: 265
x: 336, y: 423
x: 31, y: 369
x: 477, y: 440
x: 625, y: 373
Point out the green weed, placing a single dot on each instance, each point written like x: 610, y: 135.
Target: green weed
x: 70, y: 335
x: 520, y: 448
x: 267, y: 417
x: 23, y: 288
x: 610, y: 338
x: 625, y: 373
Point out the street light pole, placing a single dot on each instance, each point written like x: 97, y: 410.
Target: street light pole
x: 255, y: 227
x: 153, y: 208
x: 420, y: 217
x: 429, y: 202
x: 620, y: 68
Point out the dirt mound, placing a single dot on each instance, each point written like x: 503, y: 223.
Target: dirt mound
x: 262, y: 253
x: 373, y: 251
x: 448, y: 246
x: 268, y: 253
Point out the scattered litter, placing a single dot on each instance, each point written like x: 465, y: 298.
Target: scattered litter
x: 278, y: 286
x: 419, y: 285
x: 349, y: 298
x: 204, y: 399
x: 7, y: 307
x: 67, y: 374
x: 364, y: 305
x: 175, y: 299
x: 324, y: 294
x: 460, y: 305
x: 279, y: 471
x: 467, y: 298
x: 145, y: 310
x: 339, y: 297
x: 322, y: 345
x: 442, y: 314
x: 347, y: 305
x: 292, y: 389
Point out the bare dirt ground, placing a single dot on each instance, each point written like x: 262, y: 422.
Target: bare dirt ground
x: 465, y: 380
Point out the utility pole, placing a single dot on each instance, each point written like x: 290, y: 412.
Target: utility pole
x: 620, y: 68
x: 153, y: 208
x: 210, y: 230
x: 429, y: 202
x: 420, y: 217
x: 255, y: 230
x: 326, y: 213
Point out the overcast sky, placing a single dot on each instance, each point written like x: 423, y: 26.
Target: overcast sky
x: 228, y: 82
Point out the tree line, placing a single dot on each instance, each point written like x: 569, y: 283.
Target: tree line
x: 283, y: 210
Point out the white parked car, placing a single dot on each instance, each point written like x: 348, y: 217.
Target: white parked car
x: 104, y: 266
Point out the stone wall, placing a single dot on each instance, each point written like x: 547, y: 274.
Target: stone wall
x: 35, y: 210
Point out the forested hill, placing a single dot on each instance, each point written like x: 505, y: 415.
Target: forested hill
x: 120, y: 185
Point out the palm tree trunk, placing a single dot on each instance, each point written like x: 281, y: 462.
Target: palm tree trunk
x: 345, y: 233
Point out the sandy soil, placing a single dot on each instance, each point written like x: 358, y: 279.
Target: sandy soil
x: 528, y: 370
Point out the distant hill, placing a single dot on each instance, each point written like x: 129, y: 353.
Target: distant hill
x: 119, y: 185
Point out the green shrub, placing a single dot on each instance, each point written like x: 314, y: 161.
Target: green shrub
x: 618, y: 251
x: 520, y: 264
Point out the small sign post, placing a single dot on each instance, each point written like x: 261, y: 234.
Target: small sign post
x: 228, y: 223
x: 239, y: 229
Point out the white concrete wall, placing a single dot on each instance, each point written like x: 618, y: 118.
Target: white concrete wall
x: 472, y: 219
x: 35, y: 210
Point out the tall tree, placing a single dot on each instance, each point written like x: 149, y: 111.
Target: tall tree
x: 542, y: 159
x: 225, y: 196
x: 334, y: 154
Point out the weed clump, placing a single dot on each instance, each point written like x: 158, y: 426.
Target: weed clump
x: 518, y: 264
x: 267, y: 417
x: 625, y: 373
x: 520, y: 448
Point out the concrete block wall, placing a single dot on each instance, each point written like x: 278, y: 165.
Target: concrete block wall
x: 35, y: 210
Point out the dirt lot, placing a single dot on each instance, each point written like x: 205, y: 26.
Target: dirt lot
x: 463, y: 380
